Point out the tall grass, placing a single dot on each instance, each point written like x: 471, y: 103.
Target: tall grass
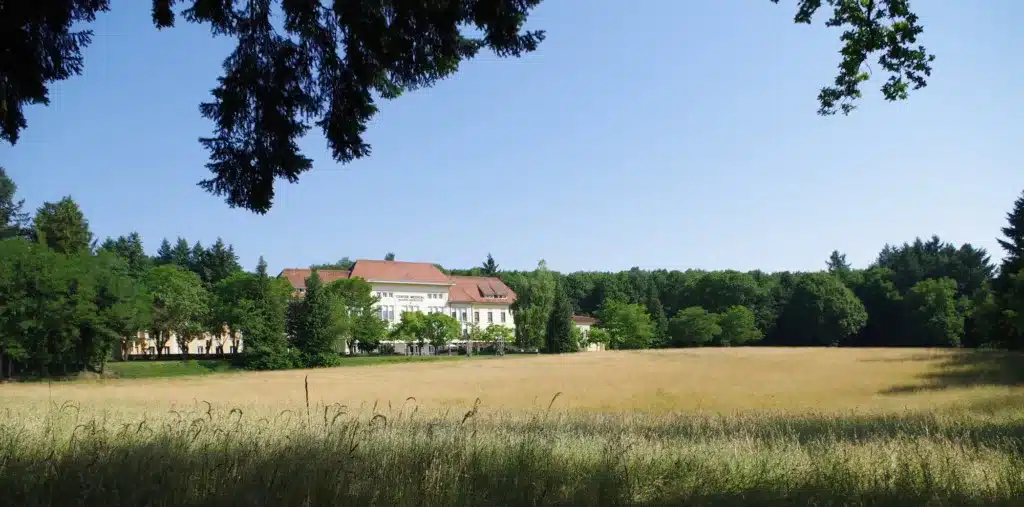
x: 336, y: 455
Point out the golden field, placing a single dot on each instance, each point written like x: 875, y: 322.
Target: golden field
x: 721, y: 381
x: 697, y: 427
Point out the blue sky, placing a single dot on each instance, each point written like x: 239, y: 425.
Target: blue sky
x: 658, y: 134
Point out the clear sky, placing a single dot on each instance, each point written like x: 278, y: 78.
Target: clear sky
x: 657, y: 133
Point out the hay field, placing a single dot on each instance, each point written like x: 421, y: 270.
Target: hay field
x: 711, y: 427
x: 656, y: 381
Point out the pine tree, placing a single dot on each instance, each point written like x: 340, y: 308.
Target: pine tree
x: 266, y: 346
x: 1008, y: 285
x: 837, y: 265
x: 490, y: 268
x: 181, y: 254
x: 559, y: 328
x: 13, y: 221
x: 315, y: 337
x: 197, y: 262
x: 220, y: 262
x: 164, y: 254
x: 1013, y: 261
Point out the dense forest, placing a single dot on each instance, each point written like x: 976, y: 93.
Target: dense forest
x: 71, y: 303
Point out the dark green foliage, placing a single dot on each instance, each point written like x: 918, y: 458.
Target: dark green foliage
x: 559, y: 336
x: 315, y: 332
x: 822, y: 311
x: 129, y: 249
x: 63, y: 227
x: 837, y: 265
x: 63, y: 313
x: 489, y: 267
x: 14, y: 222
x: 694, y: 327
x: 390, y: 256
x: 344, y: 263
x: 738, y: 327
x: 936, y: 320
x: 266, y: 344
x: 327, y: 63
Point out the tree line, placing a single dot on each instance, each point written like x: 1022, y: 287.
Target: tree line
x: 922, y: 293
x: 71, y: 303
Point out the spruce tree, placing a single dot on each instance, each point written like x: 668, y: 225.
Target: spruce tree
x: 265, y: 346
x: 316, y: 338
x: 1013, y: 261
x: 1008, y: 286
x: 13, y: 221
x: 490, y: 268
x: 837, y: 265
x: 559, y: 328
x: 164, y: 254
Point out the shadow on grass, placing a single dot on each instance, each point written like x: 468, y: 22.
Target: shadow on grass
x: 962, y: 369
x: 309, y: 472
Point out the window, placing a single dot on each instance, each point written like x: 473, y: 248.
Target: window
x: 476, y: 316
x: 490, y: 317
x: 464, y: 319
x: 503, y: 317
x: 430, y: 295
x: 199, y: 349
x: 453, y: 314
x: 391, y: 294
x: 167, y: 350
x: 234, y: 350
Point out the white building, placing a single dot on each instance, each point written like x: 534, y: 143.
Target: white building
x: 422, y: 287
x: 584, y: 323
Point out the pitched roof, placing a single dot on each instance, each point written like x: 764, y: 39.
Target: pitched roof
x: 399, y: 271
x: 480, y: 289
x: 297, y: 277
x: 584, y: 320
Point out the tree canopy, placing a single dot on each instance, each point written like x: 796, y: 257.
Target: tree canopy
x: 300, y: 65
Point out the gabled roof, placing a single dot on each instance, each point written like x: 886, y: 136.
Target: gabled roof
x: 399, y: 271
x: 297, y: 277
x: 584, y: 320
x: 480, y: 289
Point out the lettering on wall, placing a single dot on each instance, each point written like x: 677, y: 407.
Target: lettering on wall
x: 406, y: 297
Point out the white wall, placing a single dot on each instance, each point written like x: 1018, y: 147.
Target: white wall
x: 401, y: 298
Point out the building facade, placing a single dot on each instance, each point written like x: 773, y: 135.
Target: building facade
x: 403, y: 287
x: 584, y: 323
x: 399, y: 286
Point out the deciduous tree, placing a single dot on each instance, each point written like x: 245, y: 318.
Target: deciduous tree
x: 822, y: 311
x: 628, y: 325
x: 180, y: 304
x: 738, y: 327
x: 694, y: 327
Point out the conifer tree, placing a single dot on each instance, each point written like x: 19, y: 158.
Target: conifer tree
x: 490, y: 268
x: 315, y: 329
x: 559, y: 328
x: 266, y: 346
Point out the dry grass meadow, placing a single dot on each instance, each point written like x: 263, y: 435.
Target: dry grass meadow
x: 743, y: 426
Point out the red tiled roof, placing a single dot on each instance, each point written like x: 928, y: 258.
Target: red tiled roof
x: 480, y: 289
x: 297, y: 277
x: 398, y: 271
x: 584, y: 320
